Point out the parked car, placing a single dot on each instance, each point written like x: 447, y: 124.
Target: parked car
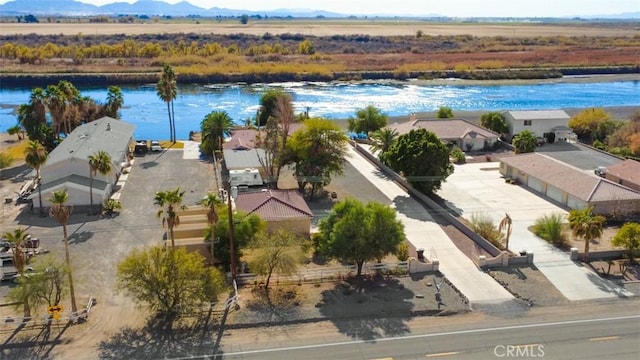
x: 141, y: 147
x: 155, y: 145
x: 600, y: 171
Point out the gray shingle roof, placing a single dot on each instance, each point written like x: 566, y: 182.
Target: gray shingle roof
x: 243, y: 159
x: 106, y: 134
x: 82, y: 181
x: 538, y: 114
x: 584, y: 186
x: 449, y: 129
x: 274, y: 204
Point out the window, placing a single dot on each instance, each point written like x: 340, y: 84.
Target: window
x: 527, y: 123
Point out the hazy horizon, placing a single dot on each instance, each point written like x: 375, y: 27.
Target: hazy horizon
x: 451, y: 8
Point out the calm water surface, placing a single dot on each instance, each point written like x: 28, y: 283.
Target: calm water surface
x: 339, y: 100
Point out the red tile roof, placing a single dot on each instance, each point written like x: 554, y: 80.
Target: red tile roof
x: 274, y: 204
x: 583, y: 185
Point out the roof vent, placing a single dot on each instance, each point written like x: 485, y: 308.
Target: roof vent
x: 108, y: 126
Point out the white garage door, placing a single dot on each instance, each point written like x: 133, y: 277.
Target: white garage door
x: 554, y: 193
x: 575, y: 203
x: 535, y: 184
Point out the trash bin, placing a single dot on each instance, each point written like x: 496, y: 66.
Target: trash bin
x: 420, y: 254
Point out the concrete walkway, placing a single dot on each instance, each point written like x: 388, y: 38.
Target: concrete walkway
x: 191, y: 149
x: 423, y: 232
x: 479, y: 188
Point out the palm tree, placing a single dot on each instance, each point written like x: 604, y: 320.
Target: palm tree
x: 211, y: 201
x: 215, y: 126
x: 381, y: 140
x: 505, y: 225
x: 525, y: 142
x: 62, y: 212
x: 39, y: 103
x: 99, y: 162
x: 584, y: 224
x: 35, y: 157
x: 56, y: 102
x: 167, y: 90
x: 115, y: 99
x: 16, y: 239
x: 168, y: 201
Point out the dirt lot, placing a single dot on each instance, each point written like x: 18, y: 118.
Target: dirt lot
x: 322, y: 28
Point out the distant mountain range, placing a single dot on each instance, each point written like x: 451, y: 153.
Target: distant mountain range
x: 182, y: 9
x: 141, y: 7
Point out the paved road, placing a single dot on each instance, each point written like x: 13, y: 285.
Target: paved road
x: 423, y: 232
x: 479, y: 188
x: 564, y: 334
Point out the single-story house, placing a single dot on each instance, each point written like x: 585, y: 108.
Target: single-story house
x: 626, y: 173
x: 540, y: 122
x: 67, y: 166
x: 243, y: 159
x: 281, y: 209
x: 464, y: 134
x: 241, y: 139
x: 570, y: 186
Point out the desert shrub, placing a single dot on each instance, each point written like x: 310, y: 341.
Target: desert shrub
x: 551, y: 228
x: 484, y: 226
x: 402, y: 251
x: 458, y: 155
x: 5, y: 160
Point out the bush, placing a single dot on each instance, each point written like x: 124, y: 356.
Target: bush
x: 402, y: 251
x: 482, y: 225
x: 5, y: 160
x: 551, y: 228
x: 458, y: 155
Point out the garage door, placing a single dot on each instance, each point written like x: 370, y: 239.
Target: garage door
x: 555, y: 194
x: 575, y: 203
x: 535, y: 184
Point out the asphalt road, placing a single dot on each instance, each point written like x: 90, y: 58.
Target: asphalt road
x: 581, y: 338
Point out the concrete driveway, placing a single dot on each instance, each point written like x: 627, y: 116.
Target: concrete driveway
x: 479, y: 188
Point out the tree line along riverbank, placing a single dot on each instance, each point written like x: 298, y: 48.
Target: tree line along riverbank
x: 9, y: 80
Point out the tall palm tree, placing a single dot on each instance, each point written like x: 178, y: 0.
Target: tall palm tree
x: 115, y: 100
x: 38, y: 100
x: 584, y: 224
x: 381, y: 140
x: 35, y: 156
x: 211, y: 201
x: 56, y: 102
x: 168, y: 201
x: 215, y: 126
x: 62, y: 212
x: 99, y: 162
x: 505, y: 225
x: 167, y: 90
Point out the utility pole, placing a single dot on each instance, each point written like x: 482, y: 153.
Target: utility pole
x: 232, y: 251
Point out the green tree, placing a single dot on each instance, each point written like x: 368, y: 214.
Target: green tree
x: 215, y: 127
x: 273, y: 139
x: 16, y: 240
x: 35, y: 156
x: 244, y: 19
x: 168, y: 281
x: 115, y: 100
x: 444, y: 112
x: 45, y: 285
x: 495, y: 121
x: 169, y: 202
x: 586, y: 123
x: 628, y: 237
x: 245, y: 228
x: 421, y: 158
x: 382, y: 140
x: 525, y: 142
x: 62, y: 212
x: 584, y: 224
x: 354, y: 232
x: 99, y: 163
x: 367, y: 120
x: 280, y: 253
x: 268, y: 105
x: 318, y: 152
x: 167, y: 90
x: 211, y: 202
x: 16, y: 130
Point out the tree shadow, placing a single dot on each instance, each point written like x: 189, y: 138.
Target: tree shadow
x: 149, y: 164
x: 607, y: 285
x: 80, y: 237
x: 275, y: 305
x: 368, y: 308
x: 162, y: 338
x: 34, y: 343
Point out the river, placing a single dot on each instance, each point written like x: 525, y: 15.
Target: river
x: 143, y: 108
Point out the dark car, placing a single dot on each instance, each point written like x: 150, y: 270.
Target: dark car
x: 141, y: 147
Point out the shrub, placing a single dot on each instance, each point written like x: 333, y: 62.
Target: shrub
x: 458, y: 155
x: 551, y: 228
x: 402, y: 251
x: 5, y: 160
x: 482, y: 225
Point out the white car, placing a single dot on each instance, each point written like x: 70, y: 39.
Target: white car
x: 155, y: 145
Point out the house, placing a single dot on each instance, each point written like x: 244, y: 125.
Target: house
x: 464, y: 134
x: 281, y: 209
x: 190, y: 233
x: 67, y: 166
x: 241, y: 139
x: 570, y: 186
x: 626, y: 173
x: 540, y: 122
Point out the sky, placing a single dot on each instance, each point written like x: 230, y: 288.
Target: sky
x: 452, y: 8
